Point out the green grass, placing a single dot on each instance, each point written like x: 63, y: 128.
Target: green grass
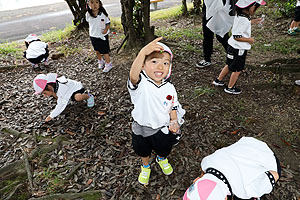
x: 11, y: 48
x: 58, y: 35
x: 173, y: 12
x: 199, y: 91
x: 67, y: 51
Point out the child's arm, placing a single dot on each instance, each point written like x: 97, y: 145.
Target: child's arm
x: 107, y: 27
x: 138, y: 63
x: 243, y: 39
x: 174, y: 126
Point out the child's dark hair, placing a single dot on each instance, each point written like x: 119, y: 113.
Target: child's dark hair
x: 101, y: 9
x: 53, y: 85
x: 240, y: 11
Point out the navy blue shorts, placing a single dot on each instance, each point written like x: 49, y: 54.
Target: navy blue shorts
x: 159, y: 142
x: 235, y: 62
x: 297, y: 14
x: 102, y: 46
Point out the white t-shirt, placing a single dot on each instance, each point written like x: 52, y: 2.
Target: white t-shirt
x: 298, y: 3
x: 66, y: 87
x: 241, y: 27
x: 35, y: 49
x: 97, y: 25
x: 244, y: 164
x: 153, y: 103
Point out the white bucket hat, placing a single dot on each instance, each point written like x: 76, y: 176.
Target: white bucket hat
x: 41, y: 80
x: 31, y: 37
x: 246, y: 3
x: 168, y: 50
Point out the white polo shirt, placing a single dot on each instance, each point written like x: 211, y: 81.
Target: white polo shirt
x: 36, y: 49
x: 244, y: 164
x: 242, y: 28
x: 153, y: 103
x: 66, y: 87
x: 97, y: 25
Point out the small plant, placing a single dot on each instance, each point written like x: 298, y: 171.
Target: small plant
x: 58, y: 35
x: 68, y: 51
x: 199, y: 91
x: 12, y: 48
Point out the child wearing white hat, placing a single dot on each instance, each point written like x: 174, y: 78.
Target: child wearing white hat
x: 157, y: 113
x: 61, y: 89
x: 239, y: 43
x: 37, y: 51
x: 247, y: 169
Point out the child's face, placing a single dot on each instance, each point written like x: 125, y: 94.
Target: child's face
x: 48, y: 93
x: 94, y: 4
x: 252, y: 10
x: 157, y: 66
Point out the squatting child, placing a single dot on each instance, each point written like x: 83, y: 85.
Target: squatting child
x: 37, y: 51
x: 239, y: 43
x: 295, y: 23
x: 99, y: 25
x: 61, y: 89
x: 157, y: 113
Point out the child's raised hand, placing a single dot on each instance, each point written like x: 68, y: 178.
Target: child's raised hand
x: 174, y: 126
x: 151, y: 47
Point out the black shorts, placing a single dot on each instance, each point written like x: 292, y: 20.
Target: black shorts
x: 235, y: 62
x: 297, y: 14
x: 159, y: 142
x: 38, y: 59
x: 81, y: 91
x: 102, y: 46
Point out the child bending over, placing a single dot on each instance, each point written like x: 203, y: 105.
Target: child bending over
x: 157, y: 113
x: 61, y: 89
x: 239, y: 43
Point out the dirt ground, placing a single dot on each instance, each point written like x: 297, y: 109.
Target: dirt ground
x: 100, y: 137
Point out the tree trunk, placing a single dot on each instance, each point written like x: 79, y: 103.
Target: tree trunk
x: 149, y: 31
x: 197, y: 6
x: 184, y: 8
x: 78, y: 9
x: 127, y: 22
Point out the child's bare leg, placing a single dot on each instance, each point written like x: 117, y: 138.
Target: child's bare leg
x: 106, y: 58
x: 233, y: 78
x: 81, y: 97
x: 145, y: 160
x: 223, y: 73
x: 99, y: 55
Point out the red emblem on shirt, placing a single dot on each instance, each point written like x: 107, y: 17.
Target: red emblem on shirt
x: 169, y: 97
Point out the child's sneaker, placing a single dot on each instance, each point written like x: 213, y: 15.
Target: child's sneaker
x: 203, y: 63
x: 297, y: 82
x: 165, y: 166
x: 232, y: 90
x: 297, y: 30
x: 218, y: 83
x: 101, y: 64
x: 291, y: 32
x: 144, y: 175
x: 90, y: 101
x: 107, y: 67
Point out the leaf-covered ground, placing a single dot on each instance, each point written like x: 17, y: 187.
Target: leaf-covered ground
x: 98, y: 139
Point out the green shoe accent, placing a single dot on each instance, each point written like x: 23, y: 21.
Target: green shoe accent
x: 291, y: 32
x: 144, y: 175
x: 165, y: 166
x: 297, y: 30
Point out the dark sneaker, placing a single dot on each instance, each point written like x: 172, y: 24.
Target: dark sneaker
x: 232, y: 90
x: 203, y: 63
x: 218, y: 83
x: 292, y: 32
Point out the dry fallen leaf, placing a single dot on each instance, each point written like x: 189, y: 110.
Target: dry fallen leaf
x: 70, y: 132
x: 234, y: 132
x: 101, y: 113
x: 89, y: 182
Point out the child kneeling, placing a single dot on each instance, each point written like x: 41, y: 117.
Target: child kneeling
x: 157, y: 113
x: 61, y: 89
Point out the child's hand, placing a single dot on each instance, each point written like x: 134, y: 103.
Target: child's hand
x: 174, y: 126
x: 256, y: 21
x: 48, y: 119
x: 251, y: 40
x: 151, y: 47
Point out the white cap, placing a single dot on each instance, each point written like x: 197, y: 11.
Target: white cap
x: 31, y: 37
x: 168, y: 50
x: 246, y: 3
x: 41, y: 80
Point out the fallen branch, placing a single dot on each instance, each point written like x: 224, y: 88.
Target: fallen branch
x: 121, y: 45
x: 13, y: 192
x: 76, y: 168
x: 28, y: 170
x: 70, y: 196
x: 17, y: 134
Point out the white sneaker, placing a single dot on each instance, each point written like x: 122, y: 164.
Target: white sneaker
x: 107, y: 67
x: 101, y: 64
x: 90, y: 101
x: 297, y: 82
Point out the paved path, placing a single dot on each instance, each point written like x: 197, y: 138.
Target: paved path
x: 17, y: 24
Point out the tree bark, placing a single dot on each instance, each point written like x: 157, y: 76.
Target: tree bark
x: 78, y: 9
x: 197, y: 6
x: 184, y: 8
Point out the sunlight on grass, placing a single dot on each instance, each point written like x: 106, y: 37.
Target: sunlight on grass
x: 58, y: 35
x: 115, y: 24
x: 11, y: 48
x: 180, y: 33
x: 67, y: 51
x: 285, y: 46
x: 173, y: 12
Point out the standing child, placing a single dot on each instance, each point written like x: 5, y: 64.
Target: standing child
x: 239, y: 43
x: 61, y: 89
x: 37, y: 51
x: 295, y: 23
x: 157, y: 113
x: 99, y: 25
